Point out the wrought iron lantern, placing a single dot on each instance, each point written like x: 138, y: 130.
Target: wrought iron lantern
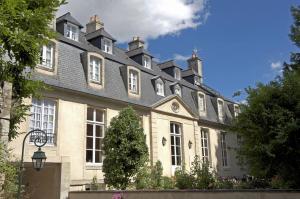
x: 190, y: 144
x: 164, y: 141
x: 38, y: 159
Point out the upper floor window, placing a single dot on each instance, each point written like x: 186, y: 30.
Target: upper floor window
x: 197, y: 80
x: 177, y: 90
x: 160, y: 88
x: 175, y: 130
x: 94, y: 136
x: 43, y: 117
x: 201, y: 98
x: 224, y: 150
x: 147, y: 62
x: 95, y: 69
x: 221, y: 109
x: 177, y: 74
x: 72, y: 32
x: 236, y: 110
x: 47, y: 56
x: 205, y: 147
x: 133, y: 81
x: 107, y: 44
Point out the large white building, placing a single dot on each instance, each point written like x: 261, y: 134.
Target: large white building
x: 91, y: 80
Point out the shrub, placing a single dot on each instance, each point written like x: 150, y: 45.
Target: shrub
x: 204, y: 178
x: 168, y: 183
x: 156, y: 175
x: 184, y: 180
x: 142, y: 179
x: 224, y: 183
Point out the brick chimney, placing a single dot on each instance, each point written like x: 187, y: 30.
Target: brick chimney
x: 94, y: 24
x: 136, y: 43
x: 195, y: 63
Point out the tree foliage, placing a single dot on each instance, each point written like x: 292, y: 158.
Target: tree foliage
x: 24, y: 28
x: 270, y: 122
x: 125, y: 149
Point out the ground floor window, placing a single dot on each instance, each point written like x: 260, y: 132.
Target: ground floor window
x: 43, y: 118
x: 94, y: 135
x: 175, y: 130
x: 224, y: 150
x: 205, y: 148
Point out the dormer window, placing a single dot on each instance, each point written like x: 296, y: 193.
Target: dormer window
x: 107, y: 46
x: 197, y: 80
x: 177, y: 90
x: 47, y: 56
x: 147, y: 62
x: 72, y: 32
x: 177, y: 73
x: 95, y: 69
x: 201, y: 104
x: 160, y: 88
x: 236, y: 110
x: 133, y: 81
x: 220, y: 109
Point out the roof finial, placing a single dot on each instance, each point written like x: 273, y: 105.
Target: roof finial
x: 195, y: 51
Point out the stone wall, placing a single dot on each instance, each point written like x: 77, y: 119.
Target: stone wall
x: 190, y: 194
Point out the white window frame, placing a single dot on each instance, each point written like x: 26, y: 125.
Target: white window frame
x: 224, y: 151
x: 221, y: 113
x: 147, y: 62
x: 160, y: 88
x: 72, y: 31
x: 202, y: 103
x: 173, y: 136
x: 236, y: 110
x: 95, y: 123
x: 93, y: 67
x: 205, y: 145
x: 177, y: 74
x: 44, y: 61
x: 177, y: 88
x: 107, y: 44
x: 133, y: 81
x: 40, y: 113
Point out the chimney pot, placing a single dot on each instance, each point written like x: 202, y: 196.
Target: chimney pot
x: 94, y: 24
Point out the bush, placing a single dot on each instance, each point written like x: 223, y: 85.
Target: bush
x: 184, y: 180
x: 278, y: 183
x: 204, y: 178
x: 142, y: 179
x: 156, y: 176
x: 168, y: 183
x: 224, y: 183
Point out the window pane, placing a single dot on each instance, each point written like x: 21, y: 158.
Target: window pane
x: 89, y: 156
x: 178, y: 158
x: 178, y: 141
x: 173, y: 160
x: 172, y: 140
x: 99, y: 116
x: 90, y: 113
x: 178, y: 151
x: 99, y: 131
x: 98, y: 157
x: 98, y: 143
x: 89, y: 143
x: 89, y: 130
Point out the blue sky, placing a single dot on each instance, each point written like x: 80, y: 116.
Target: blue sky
x: 240, y: 42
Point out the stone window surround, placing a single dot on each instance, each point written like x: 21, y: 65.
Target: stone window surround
x: 160, y: 81
x: 76, y: 34
x: 181, y: 145
x: 145, y: 58
x: 50, y: 71
x: 102, y: 70
x: 105, y: 41
x: 224, y: 149
x: 132, y: 94
x: 201, y: 112
x: 205, y: 130
x: 221, y: 117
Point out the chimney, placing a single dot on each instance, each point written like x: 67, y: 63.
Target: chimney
x: 195, y: 63
x: 94, y: 24
x: 136, y: 43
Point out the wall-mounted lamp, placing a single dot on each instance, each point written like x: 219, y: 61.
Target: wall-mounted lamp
x: 164, y: 141
x: 190, y: 144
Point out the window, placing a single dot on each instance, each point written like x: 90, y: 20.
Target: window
x: 175, y: 130
x: 177, y: 90
x: 43, y: 117
x: 133, y: 81
x: 147, y: 62
x: 177, y: 74
x: 197, y: 80
x: 205, y: 145
x: 72, y: 32
x: 160, y: 88
x: 224, y: 150
x: 236, y: 110
x: 95, y: 69
x: 220, y: 109
x: 201, y: 102
x: 46, y: 56
x: 94, y: 136
x: 107, y: 46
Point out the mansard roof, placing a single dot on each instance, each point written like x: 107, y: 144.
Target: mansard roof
x: 68, y: 17
x: 71, y: 76
x: 100, y: 32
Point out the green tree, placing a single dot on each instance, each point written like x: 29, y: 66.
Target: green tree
x: 24, y: 28
x: 270, y: 123
x: 125, y: 149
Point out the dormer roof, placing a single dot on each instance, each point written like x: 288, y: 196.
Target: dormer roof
x: 97, y: 33
x: 168, y: 64
x: 188, y: 72
x: 69, y: 18
x: 138, y: 51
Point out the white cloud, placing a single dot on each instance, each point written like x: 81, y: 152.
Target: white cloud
x: 148, y: 19
x: 276, y: 65
x: 178, y: 57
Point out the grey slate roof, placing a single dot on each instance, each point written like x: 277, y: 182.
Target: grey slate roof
x: 68, y: 17
x: 71, y: 75
x: 138, y: 51
x: 168, y: 64
x: 97, y: 33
